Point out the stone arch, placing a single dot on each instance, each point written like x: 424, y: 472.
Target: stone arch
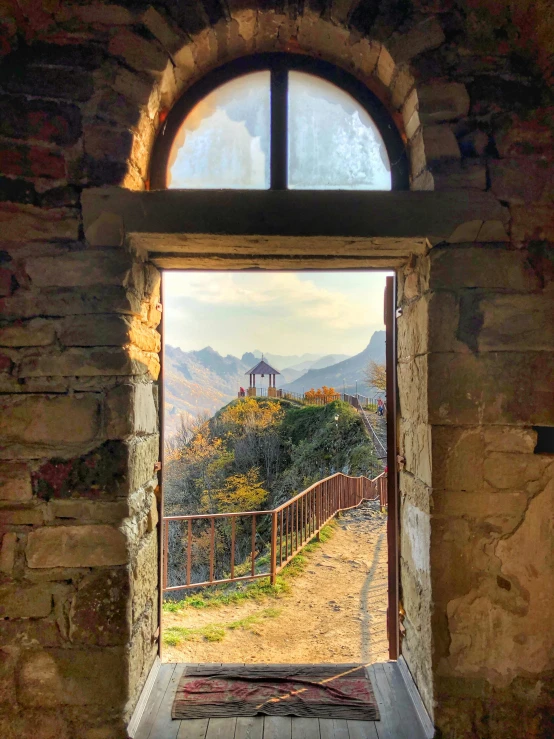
x: 248, y: 31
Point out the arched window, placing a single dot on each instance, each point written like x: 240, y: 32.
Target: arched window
x: 279, y: 121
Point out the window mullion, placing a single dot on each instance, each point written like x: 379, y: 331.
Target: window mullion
x: 279, y: 143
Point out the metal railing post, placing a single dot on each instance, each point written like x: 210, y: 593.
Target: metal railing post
x: 273, y: 563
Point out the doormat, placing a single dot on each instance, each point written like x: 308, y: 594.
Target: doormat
x: 315, y: 691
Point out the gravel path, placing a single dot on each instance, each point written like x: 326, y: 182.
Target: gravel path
x: 334, y: 612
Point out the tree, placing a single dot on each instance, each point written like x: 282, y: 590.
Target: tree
x: 376, y: 375
x: 326, y: 394
x: 242, y: 492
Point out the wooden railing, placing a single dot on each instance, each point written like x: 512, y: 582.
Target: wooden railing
x: 287, y: 529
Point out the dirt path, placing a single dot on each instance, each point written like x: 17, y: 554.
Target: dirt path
x: 334, y: 612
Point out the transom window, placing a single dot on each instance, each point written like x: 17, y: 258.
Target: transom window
x: 279, y: 122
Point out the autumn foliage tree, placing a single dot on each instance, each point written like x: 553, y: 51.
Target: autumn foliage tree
x: 324, y: 393
x: 376, y: 375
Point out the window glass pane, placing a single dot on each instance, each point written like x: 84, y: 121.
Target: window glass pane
x: 224, y: 140
x: 333, y: 143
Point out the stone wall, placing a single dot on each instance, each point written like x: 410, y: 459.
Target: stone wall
x: 84, y: 89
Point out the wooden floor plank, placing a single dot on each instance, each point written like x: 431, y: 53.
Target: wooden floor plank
x: 305, y: 728
x: 221, y: 728
x: 400, y: 698
x: 333, y: 728
x: 390, y: 726
x: 154, y: 701
x: 277, y: 727
x: 249, y: 727
x: 194, y: 728
x: 164, y: 727
x: 362, y: 730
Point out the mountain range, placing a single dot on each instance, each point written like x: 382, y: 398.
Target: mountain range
x: 204, y: 380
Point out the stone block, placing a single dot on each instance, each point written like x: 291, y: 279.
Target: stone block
x: 401, y: 86
x: 107, y: 230
x: 517, y: 323
x: 7, y: 676
x: 425, y: 35
x: 88, y: 511
x: 15, y: 482
x: 143, y: 454
x: 76, y: 546
x: 82, y: 362
x: 36, y: 332
x: 412, y: 388
x: 415, y: 446
x: 418, y: 160
x: 453, y: 268
x: 100, y: 612
x: 10, y: 516
x: 509, y: 439
x: 486, y: 388
x: 521, y: 181
x: 474, y: 144
x: 458, y: 458
x: 80, y: 268
x: 31, y: 161
x: 101, y: 474
x: 173, y: 41
x: 8, y: 550
x: 72, y: 677
x: 522, y: 138
x: 512, y: 471
x: 465, y: 175
x: 385, y: 68
x: 39, y: 120
x: 532, y: 222
x: 138, y: 52
x: 49, y: 420
x: 414, y: 491
x: 466, y: 233
x: 25, y: 601
x: 145, y: 575
x: 72, y: 301
x: 440, y: 143
x: 442, y: 101
x: 26, y: 223
x: 498, y: 513
x: 131, y: 409
x: 108, y: 330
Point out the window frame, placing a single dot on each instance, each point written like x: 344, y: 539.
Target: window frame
x: 279, y: 64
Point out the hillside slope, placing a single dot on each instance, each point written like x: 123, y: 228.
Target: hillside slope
x: 344, y: 374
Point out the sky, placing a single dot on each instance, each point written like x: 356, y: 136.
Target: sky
x: 275, y: 312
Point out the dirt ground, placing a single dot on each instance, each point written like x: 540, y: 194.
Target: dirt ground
x: 335, y: 610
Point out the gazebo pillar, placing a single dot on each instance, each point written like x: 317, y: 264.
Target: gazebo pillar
x: 271, y: 390
x: 252, y: 388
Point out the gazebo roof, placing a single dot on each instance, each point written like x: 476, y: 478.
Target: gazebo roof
x: 262, y: 368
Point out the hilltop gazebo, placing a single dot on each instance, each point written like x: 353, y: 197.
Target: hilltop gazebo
x: 263, y: 368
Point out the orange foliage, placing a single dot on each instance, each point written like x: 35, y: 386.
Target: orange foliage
x: 327, y: 394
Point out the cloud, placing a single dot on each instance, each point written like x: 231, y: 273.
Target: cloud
x: 286, y: 294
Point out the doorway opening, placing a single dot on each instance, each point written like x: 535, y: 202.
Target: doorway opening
x: 275, y: 492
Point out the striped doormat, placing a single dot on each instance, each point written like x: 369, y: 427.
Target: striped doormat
x: 316, y: 691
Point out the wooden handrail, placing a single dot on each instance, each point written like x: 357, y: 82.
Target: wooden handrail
x: 293, y: 525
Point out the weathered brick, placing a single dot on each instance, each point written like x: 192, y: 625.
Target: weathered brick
x: 453, y: 268
x: 15, y: 481
x: 18, y: 601
x: 41, y: 120
x: 100, y: 612
x: 7, y: 555
x: 101, y: 474
x: 24, y: 223
x: 79, y: 268
x: 89, y: 511
x: 82, y: 362
x: 72, y: 301
x: 440, y: 143
x: 63, y: 84
x: 21, y: 516
x: 76, y: 546
x: 442, y: 101
x: 427, y: 34
x: 36, y: 332
x: 49, y: 419
x: 138, y: 52
x: 106, y: 330
x: 55, y: 677
x: 31, y: 161
x: 131, y: 409
x: 107, y: 142
x: 521, y: 180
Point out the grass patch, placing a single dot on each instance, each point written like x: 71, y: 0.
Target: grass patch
x: 257, y: 590
x: 173, y: 636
